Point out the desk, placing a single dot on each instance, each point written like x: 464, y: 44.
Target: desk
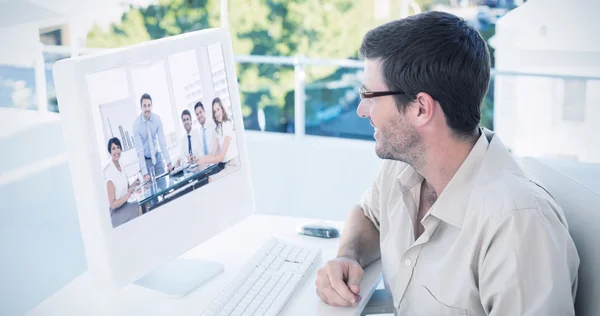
x: 232, y: 248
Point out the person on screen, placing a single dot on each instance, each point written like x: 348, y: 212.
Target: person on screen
x: 224, y: 150
x: 118, y: 188
x: 459, y: 226
x: 191, y: 142
x: 147, y: 130
x: 208, y: 136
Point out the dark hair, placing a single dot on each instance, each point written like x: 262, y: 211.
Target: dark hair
x: 225, y: 118
x: 437, y: 53
x: 115, y: 141
x: 186, y: 112
x: 145, y: 96
x: 198, y: 104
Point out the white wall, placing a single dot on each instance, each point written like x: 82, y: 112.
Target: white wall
x: 542, y: 116
x: 532, y: 113
x: 309, y: 176
x: 20, y: 45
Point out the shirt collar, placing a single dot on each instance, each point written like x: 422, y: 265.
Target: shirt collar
x: 144, y: 120
x: 408, y: 178
x: 451, y: 205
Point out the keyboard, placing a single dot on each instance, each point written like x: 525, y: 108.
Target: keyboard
x: 267, y: 281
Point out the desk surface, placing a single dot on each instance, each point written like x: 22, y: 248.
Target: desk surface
x: 232, y: 248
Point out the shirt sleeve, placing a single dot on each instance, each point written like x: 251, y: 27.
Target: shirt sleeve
x: 139, y: 147
x: 369, y: 203
x: 107, y: 175
x: 530, y: 266
x: 228, y: 130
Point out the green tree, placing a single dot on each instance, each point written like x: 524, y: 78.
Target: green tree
x: 166, y: 18
x: 131, y: 30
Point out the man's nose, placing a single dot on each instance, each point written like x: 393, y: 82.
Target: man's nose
x: 363, y: 109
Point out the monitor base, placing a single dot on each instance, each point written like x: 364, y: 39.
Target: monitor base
x: 181, y: 276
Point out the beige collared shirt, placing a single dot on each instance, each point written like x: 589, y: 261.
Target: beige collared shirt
x: 495, y: 242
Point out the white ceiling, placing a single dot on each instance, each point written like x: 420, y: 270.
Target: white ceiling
x: 15, y: 12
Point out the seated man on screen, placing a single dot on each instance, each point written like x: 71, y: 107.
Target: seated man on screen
x: 207, y: 133
x: 191, y: 143
x: 147, y: 129
x: 458, y: 225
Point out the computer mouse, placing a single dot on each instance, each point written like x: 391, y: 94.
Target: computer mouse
x: 319, y: 229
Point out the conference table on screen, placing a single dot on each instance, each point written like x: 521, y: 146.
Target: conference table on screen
x: 233, y: 247
x: 170, y: 185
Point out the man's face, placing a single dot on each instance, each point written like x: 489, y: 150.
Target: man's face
x: 395, y: 136
x: 187, y: 122
x: 147, y: 108
x: 200, y: 116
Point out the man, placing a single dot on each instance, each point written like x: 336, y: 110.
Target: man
x: 191, y: 142
x: 207, y: 133
x: 147, y: 129
x: 459, y: 227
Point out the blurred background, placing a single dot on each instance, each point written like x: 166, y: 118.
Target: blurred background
x: 298, y: 72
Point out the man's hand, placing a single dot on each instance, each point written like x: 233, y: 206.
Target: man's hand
x: 147, y: 178
x: 338, y: 282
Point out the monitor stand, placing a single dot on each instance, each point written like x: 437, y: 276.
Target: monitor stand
x: 181, y: 276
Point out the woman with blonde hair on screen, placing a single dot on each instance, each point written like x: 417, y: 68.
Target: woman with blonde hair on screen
x: 225, y: 151
x: 118, y: 188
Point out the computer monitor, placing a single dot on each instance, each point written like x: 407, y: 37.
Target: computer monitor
x: 142, y: 203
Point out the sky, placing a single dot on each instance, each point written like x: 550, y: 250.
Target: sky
x: 111, y: 12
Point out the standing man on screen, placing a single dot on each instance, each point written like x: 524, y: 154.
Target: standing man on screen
x: 148, y: 129
x: 460, y: 228
x: 206, y: 133
x: 191, y: 142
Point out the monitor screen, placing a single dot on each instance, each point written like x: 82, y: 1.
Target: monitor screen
x: 164, y: 129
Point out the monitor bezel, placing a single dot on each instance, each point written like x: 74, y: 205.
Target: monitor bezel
x: 118, y: 256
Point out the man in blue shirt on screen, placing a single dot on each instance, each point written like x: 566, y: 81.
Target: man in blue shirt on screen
x: 147, y: 129
x: 207, y: 133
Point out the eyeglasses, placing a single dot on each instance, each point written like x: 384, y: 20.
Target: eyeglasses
x: 367, y: 94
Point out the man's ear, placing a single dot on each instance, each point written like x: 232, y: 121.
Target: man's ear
x: 424, y: 108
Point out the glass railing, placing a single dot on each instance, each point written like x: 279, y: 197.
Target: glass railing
x: 267, y: 102
x: 331, y: 102
x: 326, y: 106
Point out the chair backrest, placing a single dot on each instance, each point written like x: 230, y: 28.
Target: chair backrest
x: 580, y: 201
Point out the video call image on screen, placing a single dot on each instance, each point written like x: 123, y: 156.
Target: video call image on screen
x: 164, y: 129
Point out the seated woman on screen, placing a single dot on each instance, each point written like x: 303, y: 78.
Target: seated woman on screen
x: 118, y: 188
x: 225, y: 151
